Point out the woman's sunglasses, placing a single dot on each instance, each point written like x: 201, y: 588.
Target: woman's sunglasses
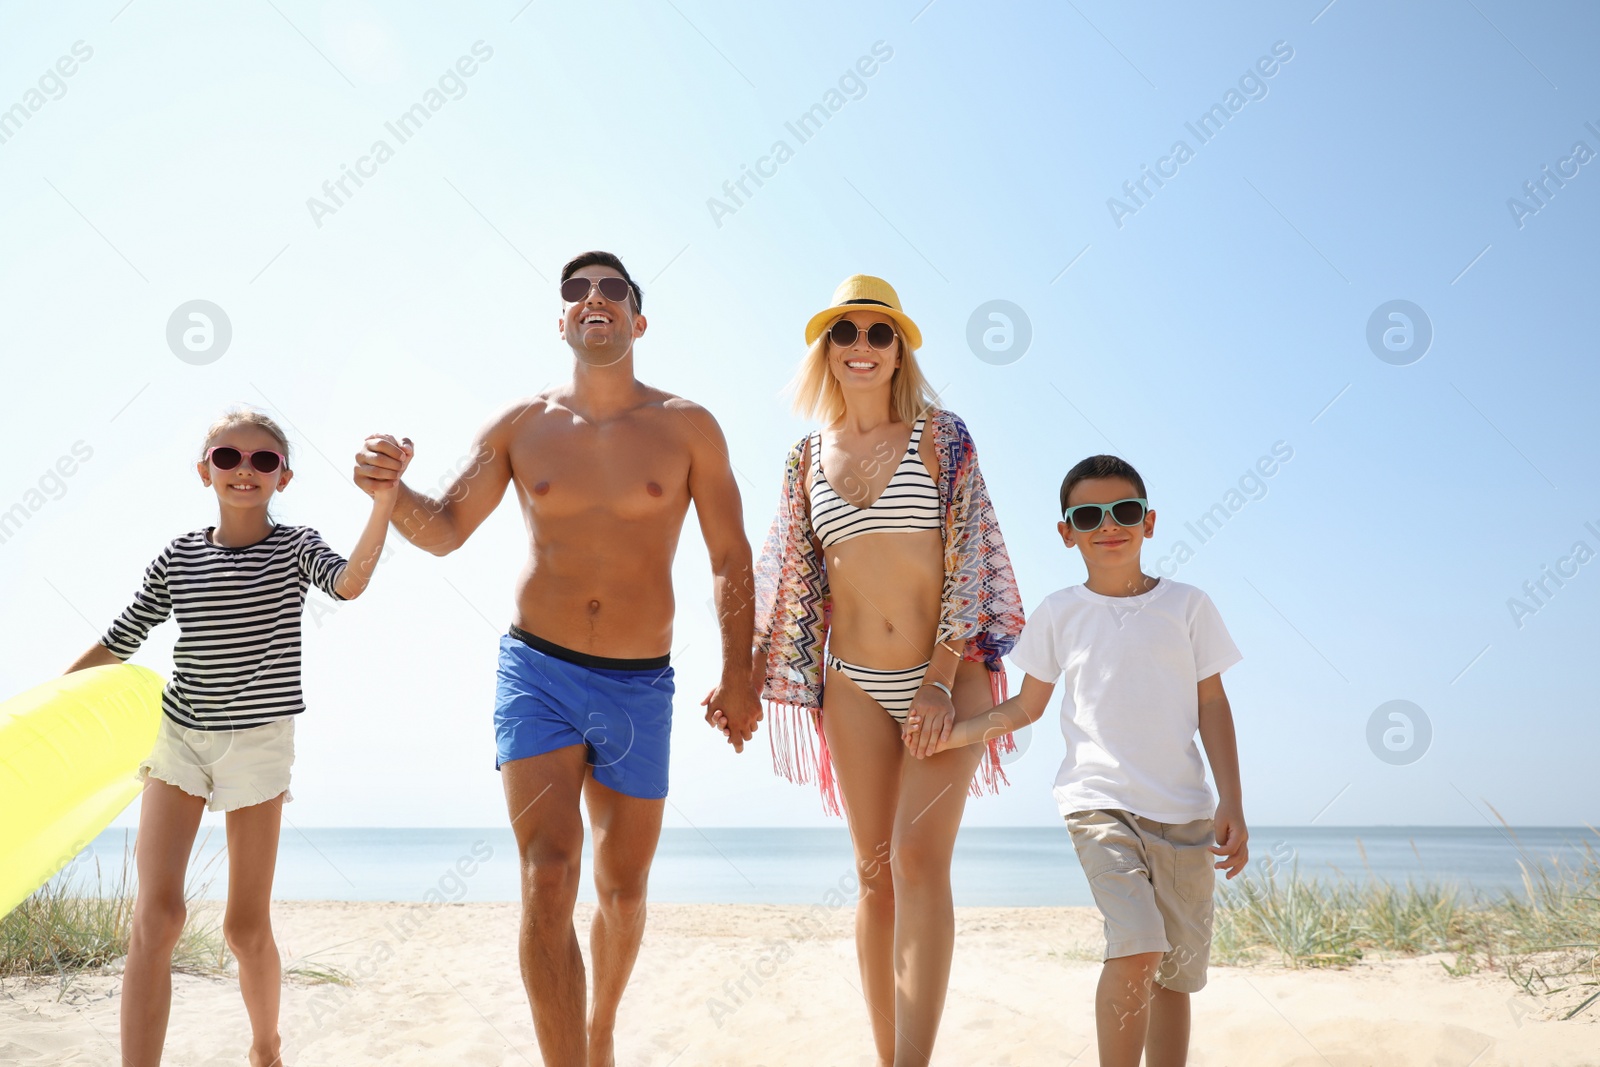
x: 264, y: 460
x: 613, y: 289
x: 880, y: 335
x: 1086, y: 518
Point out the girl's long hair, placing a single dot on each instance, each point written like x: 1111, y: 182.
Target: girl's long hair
x: 818, y: 394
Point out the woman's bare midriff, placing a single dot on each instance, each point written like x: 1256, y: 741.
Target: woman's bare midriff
x: 886, y: 595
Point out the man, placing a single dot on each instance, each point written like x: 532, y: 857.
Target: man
x: 605, y: 468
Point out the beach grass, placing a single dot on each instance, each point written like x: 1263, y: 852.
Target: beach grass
x: 1546, y: 940
x: 68, y: 928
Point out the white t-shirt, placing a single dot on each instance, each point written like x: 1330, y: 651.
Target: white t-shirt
x: 1130, y: 706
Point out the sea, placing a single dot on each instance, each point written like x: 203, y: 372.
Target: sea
x: 993, y: 866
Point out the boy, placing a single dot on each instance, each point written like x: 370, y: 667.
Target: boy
x: 1143, y: 659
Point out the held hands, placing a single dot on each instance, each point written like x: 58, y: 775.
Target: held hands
x: 734, y: 707
x: 929, y: 722
x: 379, y: 465
x: 1232, y: 837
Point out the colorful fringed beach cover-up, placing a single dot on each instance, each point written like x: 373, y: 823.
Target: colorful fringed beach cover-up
x: 980, y: 603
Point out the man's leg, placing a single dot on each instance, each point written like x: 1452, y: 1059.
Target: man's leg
x: 542, y: 799
x: 626, y: 830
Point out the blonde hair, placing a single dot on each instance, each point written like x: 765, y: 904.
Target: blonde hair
x: 818, y: 394
x: 243, y: 416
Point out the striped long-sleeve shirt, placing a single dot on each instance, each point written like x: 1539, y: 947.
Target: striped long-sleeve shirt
x: 237, y: 658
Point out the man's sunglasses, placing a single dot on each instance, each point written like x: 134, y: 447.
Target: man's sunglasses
x: 615, y: 290
x: 880, y: 335
x: 1086, y: 518
x: 264, y: 460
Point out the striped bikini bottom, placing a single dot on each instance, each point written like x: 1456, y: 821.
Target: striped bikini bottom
x: 893, y: 690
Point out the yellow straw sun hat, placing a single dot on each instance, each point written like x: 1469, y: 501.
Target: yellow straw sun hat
x: 863, y: 292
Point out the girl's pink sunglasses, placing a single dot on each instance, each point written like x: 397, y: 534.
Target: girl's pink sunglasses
x: 264, y: 460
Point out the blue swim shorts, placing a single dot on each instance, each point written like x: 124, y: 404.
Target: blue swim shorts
x: 549, y: 697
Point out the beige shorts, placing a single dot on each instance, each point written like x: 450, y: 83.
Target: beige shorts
x: 229, y: 769
x: 1154, y: 883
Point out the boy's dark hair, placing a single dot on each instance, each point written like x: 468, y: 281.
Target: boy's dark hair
x: 605, y: 259
x: 1099, y: 467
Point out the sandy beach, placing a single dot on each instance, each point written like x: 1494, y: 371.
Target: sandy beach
x: 769, y: 986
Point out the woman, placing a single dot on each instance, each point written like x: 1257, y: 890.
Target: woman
x: 885, y: 600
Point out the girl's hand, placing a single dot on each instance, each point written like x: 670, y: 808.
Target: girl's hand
x: 386, y: 492
x: 380, y: 464
x: 929, y: 722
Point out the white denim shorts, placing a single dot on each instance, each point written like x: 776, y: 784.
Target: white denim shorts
x: 229, y: 769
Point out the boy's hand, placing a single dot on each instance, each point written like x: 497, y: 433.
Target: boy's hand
x: 929, y: 722
x: 1232, y: 837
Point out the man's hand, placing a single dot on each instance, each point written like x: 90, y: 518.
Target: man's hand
x: 1232, y: 837
x: 734, y: 708
x: 379, y: 465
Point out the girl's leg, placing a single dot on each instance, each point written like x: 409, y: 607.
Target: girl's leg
x: 933, y: 795
x: 867, y: 755
x: 247, y: 924
x: 168, y: 819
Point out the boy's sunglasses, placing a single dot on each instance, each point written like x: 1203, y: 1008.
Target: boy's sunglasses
x: 613, y: 289
x: 226, y: 457
x: 880, y: 335
x: 1086, y: 518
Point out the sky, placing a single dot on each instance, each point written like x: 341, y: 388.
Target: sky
x: 1351, y: 319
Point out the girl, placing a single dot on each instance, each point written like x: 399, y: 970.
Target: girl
x: 885, y: 577
x: 226, y: 739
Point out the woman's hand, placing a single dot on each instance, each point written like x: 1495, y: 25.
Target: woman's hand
x: 929, y: 721
x: 718, y: 718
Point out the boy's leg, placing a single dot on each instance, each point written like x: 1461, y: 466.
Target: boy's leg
x: 168, y: 819
x: 626, y: 830
x: 1122, y: 1008
x: 247, y: 923
x: 1167, y: 1039
x: 1114, y: 850
x: 542, y: 799
x: 1185, y: 885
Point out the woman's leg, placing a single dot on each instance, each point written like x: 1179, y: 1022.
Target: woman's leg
x: 168, y: 819
x: 247, y: 924
x: 933, y: 795
x: 867, y: 755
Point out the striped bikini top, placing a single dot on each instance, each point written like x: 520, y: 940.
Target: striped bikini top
x: 910, y: 501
